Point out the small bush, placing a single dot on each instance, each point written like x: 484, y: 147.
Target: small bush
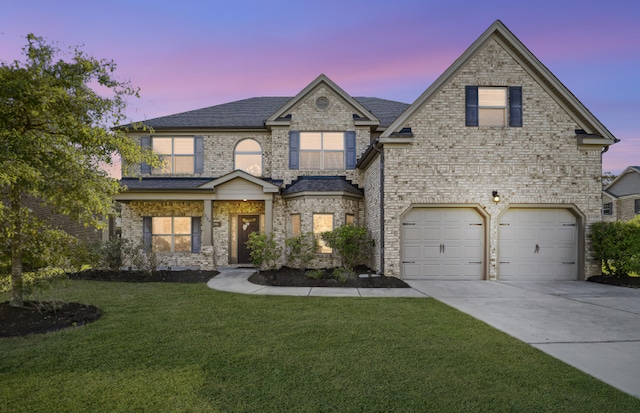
x: 353, y: 244
x: 301, y: 250
x: 617, y: 245
x: 343, y: 274
x: 115, y: 254
x: 314, y: 274
x: 264, y: 252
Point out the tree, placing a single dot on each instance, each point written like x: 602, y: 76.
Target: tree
x: 56, y: 114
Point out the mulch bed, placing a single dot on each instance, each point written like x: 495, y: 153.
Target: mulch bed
x: 632, y: 282
x: 20, y: 321
x: 183, y: 276
x: 289, y: 277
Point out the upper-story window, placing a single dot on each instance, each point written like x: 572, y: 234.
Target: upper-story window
x: 322, y: 150
x: 179, y: 155
x: 176, y: 154
x: 494, y: 106
x: 248, y: 157
x: 607, y: 208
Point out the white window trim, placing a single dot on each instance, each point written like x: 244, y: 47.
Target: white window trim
x: 322, y: 151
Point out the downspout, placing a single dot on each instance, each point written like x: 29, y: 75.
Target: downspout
x: 376, y: 142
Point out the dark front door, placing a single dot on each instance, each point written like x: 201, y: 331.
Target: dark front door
x: 246, y: 225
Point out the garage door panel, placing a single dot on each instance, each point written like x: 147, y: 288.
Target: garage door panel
x: 450, y: 239
x: 538, y: 244
x: 412, y: 252
x: 412, y: 234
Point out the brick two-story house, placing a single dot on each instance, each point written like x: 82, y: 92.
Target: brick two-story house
x: 492, y: 173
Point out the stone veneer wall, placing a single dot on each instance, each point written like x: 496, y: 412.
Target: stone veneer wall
x: 372, y: 208
x: 133, y: 212
x: 624, y: 208
x: 449, y: 163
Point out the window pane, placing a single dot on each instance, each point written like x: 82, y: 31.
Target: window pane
x: 182, y: 243
x: 491, y: 117
x: 183, y: 146
x: 322, y: 223
x: 311, y: 140
x: 310, y: 160
x: 248, y: 145
x: 182, y: 225
x: 183, y: 164
x: 334, y: 160
x: 161, y: 225
x: 165, y: 167
x: 161, y: 243
x: 333, y: 141
x: 162, y: 146
x: 349, y: 219
x: 249, y: 163
x: 295, y: 225
x: 492, y: 96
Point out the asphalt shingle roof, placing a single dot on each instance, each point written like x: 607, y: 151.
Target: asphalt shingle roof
x: 253, y: 112
x: 321, y: 184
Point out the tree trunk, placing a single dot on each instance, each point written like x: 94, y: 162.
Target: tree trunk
x: 16, y: 252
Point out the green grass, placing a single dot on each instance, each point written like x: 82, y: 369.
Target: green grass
x: 185, y: 348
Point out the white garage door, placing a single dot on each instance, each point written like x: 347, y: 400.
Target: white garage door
x: 442, y: 243
x: 538, y: 244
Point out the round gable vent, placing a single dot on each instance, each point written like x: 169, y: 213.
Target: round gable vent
x: 322, y: 103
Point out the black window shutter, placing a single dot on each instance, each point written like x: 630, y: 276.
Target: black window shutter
x: 471, y: 100
x: 350, y: 149
x: 146, y: 233
x: 198, y: 151
x: 196, y: 236
x: 294, y: 150
x: 515, y: 106
x: 145, y: 142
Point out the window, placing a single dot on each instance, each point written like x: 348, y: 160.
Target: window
x: 180, y: 155
x: 322, y: 223
x: 248, y: 157
x: 637, y: 206
x: 493, y: 106
x: 607, y: 209
x: 296, y: 228
x: 171, y: 234
x: 176, y: 154
x: 349, y: 219
x: 321, y: 150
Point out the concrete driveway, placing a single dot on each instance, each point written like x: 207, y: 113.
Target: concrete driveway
x: 593, y: 327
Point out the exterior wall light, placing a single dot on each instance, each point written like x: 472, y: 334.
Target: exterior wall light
x: 496, y: 196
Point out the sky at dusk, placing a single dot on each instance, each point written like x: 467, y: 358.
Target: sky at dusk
x: 186, y: 55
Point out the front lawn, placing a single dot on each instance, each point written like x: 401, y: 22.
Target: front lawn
x: 185, y: 348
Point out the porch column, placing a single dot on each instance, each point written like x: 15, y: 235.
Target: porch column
x: 268, y: 215
x: 208, y: 218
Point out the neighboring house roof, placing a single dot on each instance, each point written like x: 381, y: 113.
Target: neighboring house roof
x: 253, y: 113
x: 321, y: 184
x: 627, y: 183
x: 595, y: 130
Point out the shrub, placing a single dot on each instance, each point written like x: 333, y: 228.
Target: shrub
x: 343, y: 274
x: 314, y: 274
x: 264, y: 252
x: 117, y: 253
x: 353, y: 244
x: 617, y: 245
x: 301, y: 250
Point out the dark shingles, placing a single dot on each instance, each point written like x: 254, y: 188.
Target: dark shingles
x: 164, y: 183
x: 253, y: 112
x: 321, y: 184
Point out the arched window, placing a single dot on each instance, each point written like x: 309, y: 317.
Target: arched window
x: 248, y: 157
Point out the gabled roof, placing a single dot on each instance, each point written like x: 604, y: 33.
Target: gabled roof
x: 239, y: 174
x: 362, y: 112
x: 499, y: 32
x: 622, y: 176
x: 169, y: 183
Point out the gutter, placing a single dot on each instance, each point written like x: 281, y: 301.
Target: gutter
x: 376, y: 145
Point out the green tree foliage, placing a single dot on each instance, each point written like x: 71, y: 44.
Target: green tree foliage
x: 617, y: 245
x: 56, y: 114
x: 353, y: 243
x: 264, y: 252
